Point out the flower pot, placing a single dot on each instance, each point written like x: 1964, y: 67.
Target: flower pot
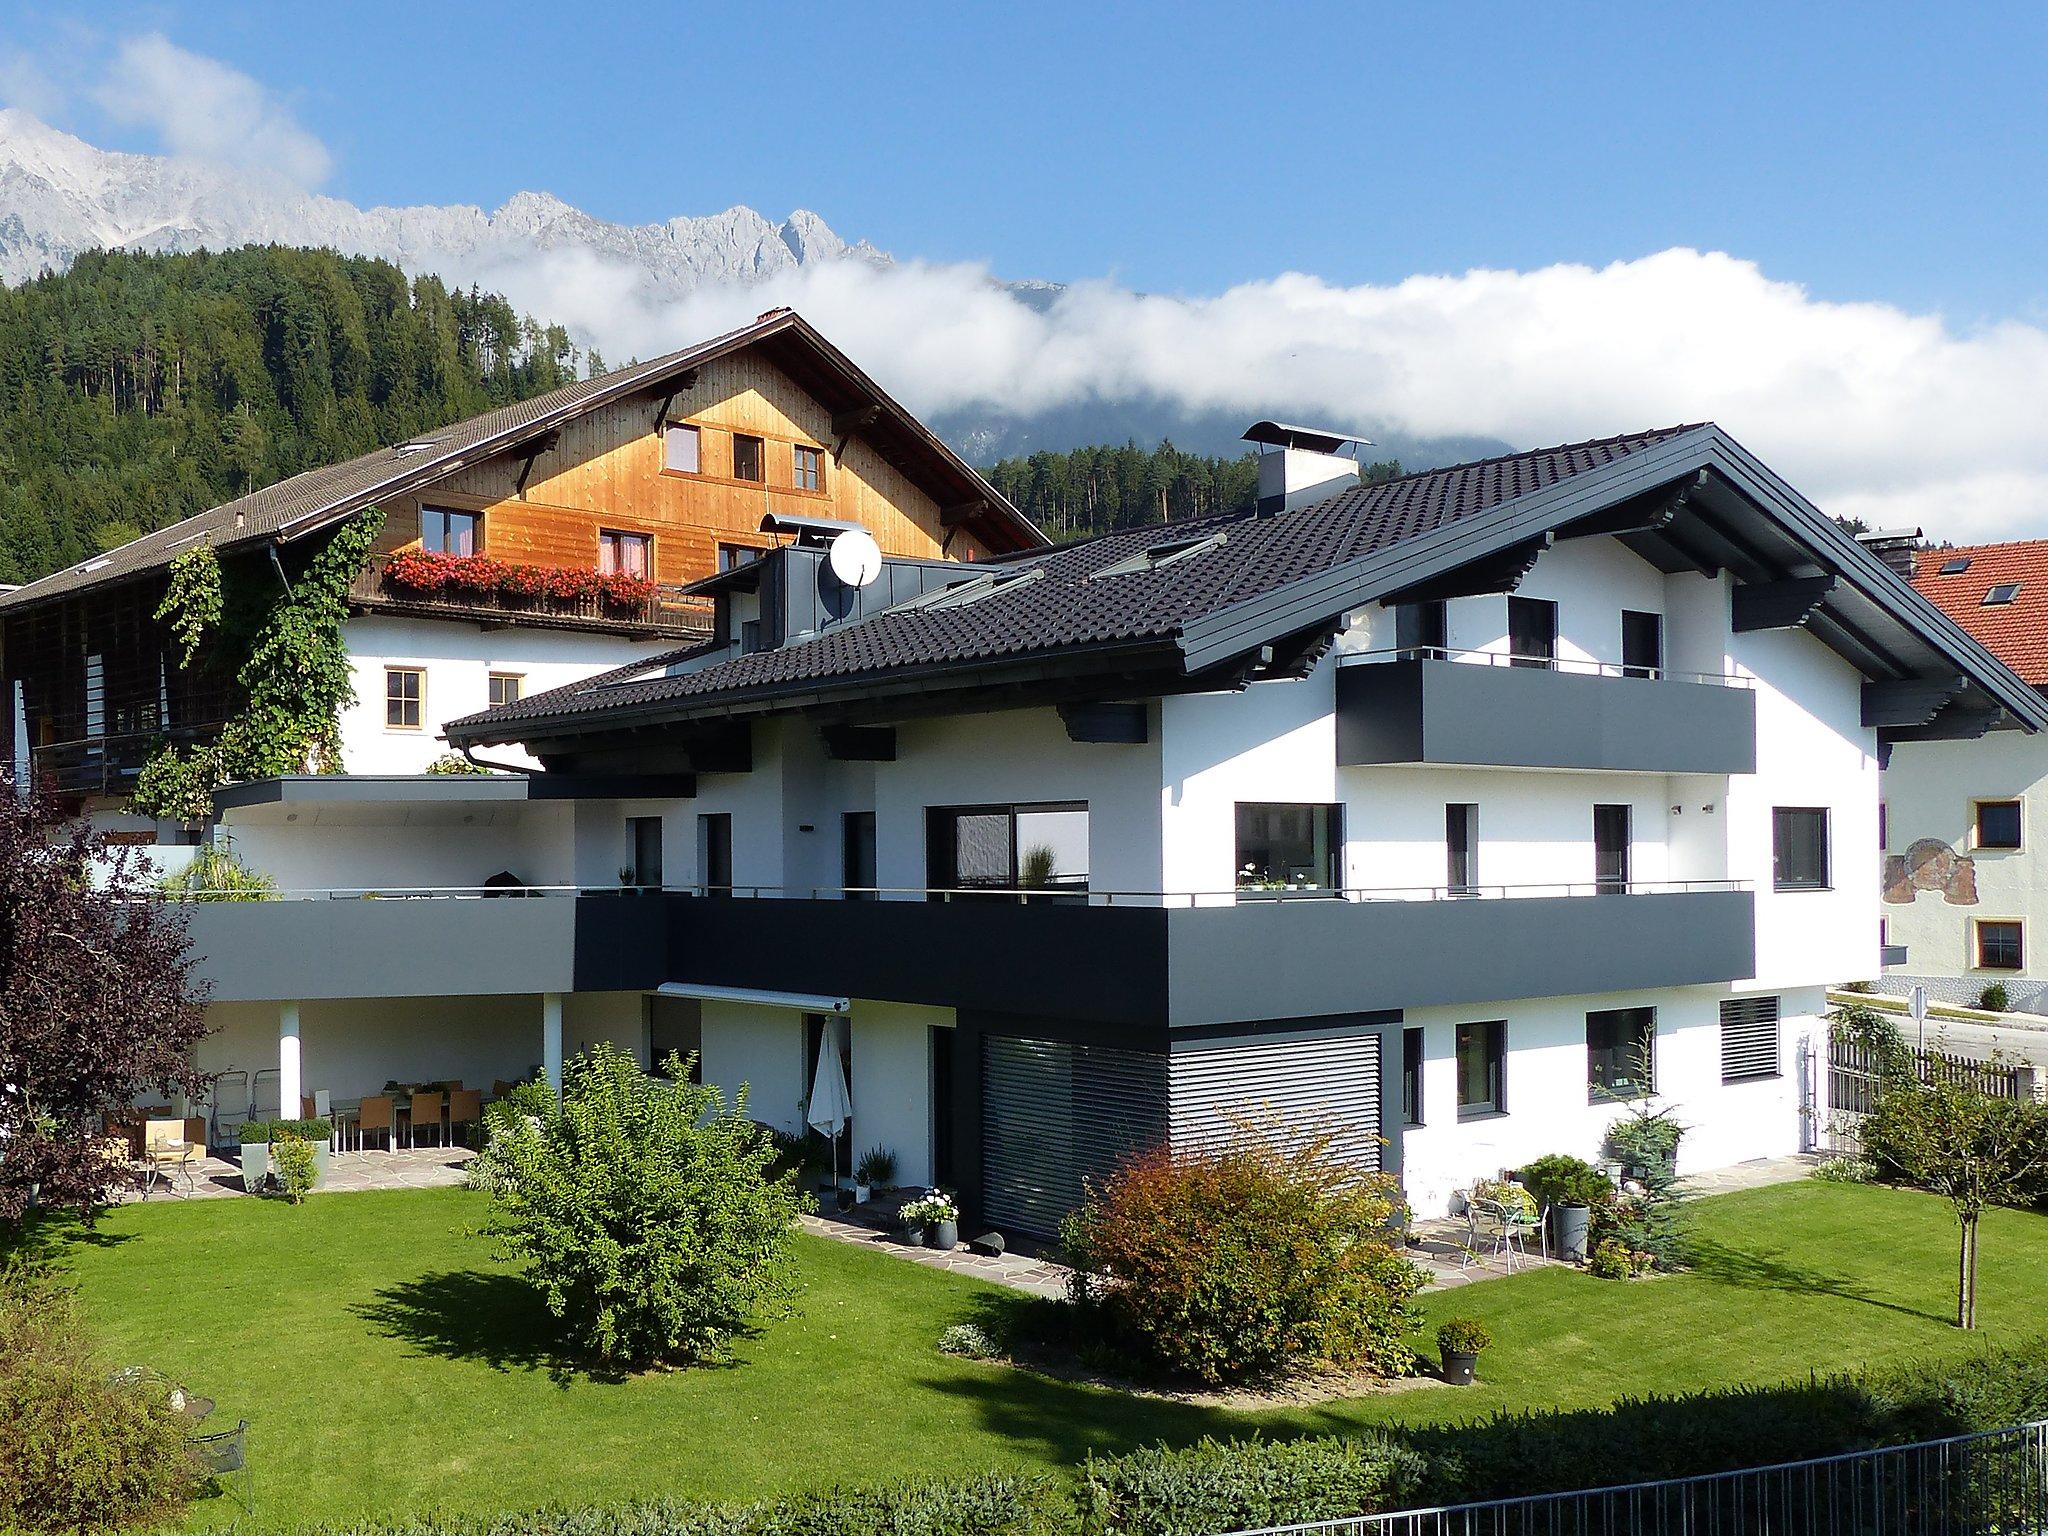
x: 255, y: 1165
x: 944, y: 1235
x: 862, y: 1193
x: 1570, y: 1227
x: 1458, y: 1368
x: 320, y: 1150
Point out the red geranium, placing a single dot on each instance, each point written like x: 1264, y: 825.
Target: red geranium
x: 417, y: 570
x: 624, y: 590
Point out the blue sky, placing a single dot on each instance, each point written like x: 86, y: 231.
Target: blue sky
x: 1881, y: 152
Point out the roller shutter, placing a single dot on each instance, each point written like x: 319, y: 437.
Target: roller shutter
x: 1749, y: 1038
x: 1054, y: 1114
x: 1325, y: 1082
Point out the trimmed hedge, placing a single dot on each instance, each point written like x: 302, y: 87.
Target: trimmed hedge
x: 1219, y: 1485
x: 254, y: 1131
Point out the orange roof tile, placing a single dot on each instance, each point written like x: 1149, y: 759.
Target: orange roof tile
x: 2015, y: 632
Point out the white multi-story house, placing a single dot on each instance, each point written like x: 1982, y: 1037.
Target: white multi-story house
x: 1966, y: 818
x: 1411, y: 809
x: 519, y: 551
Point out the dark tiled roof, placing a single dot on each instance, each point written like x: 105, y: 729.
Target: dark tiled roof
x: 2015, y: 632
x: 1061, y: 607
x: 336, y: 490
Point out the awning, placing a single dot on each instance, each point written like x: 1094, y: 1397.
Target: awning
x: 806, y: 1002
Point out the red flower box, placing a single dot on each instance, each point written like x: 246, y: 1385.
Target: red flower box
x: 423, y: 571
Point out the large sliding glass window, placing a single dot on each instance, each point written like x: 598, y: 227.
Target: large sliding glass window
x: 1422, y: 631
x: 1532, y: 632
x: 1003, y: 848
x: 1482, y: 1069
x: 1619, y: 1047
x: 1611, y: 849
x: 1289, y: 847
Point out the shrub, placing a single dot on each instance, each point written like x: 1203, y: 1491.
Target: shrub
x: 215, y: 874
x: 1464, y: 1336
x: 1994, y: 998
x: 644, y: 1208
x: 1237, y: 1485
x: 455, y: 765
x: 1260, y: 1256
x: 292, y: 1157
x: 1559, y: 1179
x: 970, y: 1341
x: 1844, y: 1170
x: 279, y: 1130
x: 79, y: 1450
x: 877, y: 1167
x: 1614, y: 1259
x: 1511, y: 1197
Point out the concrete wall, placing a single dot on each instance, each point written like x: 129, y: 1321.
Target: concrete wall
x: 398, y: 846
x: 458, y: 660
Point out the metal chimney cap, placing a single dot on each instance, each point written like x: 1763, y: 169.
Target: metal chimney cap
x: 1280, y: 434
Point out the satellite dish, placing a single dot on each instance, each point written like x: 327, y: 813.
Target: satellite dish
x: 855, y: 557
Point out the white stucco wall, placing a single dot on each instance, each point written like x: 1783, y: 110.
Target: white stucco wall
x: 458, y: 660
x: 391, y: 846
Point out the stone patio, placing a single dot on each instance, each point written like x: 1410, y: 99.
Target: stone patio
x: 347, y: 1172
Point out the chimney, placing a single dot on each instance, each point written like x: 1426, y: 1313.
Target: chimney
x: 1300, y: 465
x: 1895, y: 547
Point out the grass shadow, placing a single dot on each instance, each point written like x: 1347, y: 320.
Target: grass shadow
x: 1764, y: 1270
x: 44, y: 1237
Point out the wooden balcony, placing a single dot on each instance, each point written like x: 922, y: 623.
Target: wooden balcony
x: 667, y: 615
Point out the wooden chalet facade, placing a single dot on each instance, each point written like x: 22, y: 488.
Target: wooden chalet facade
x: 662, y: 473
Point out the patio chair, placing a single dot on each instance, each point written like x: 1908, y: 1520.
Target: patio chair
x: 223, y: 1453
x: 426, y: 1115
x: 1485, y: 1224
x: 465, y: 1107
x: 228, y: 1107
x: 172, y: 1150
x: 373, y: 1118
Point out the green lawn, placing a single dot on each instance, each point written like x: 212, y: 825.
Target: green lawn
x: 387, y: 1364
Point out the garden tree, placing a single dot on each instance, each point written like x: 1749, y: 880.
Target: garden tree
x: 1647, y: 1215
x: 1972, y: 1149
x: 98, y: 1005
x: 644, y: 1207
x: 1266, y: 1254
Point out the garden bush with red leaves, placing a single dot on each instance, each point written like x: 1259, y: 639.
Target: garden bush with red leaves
x: 1262, y: 1257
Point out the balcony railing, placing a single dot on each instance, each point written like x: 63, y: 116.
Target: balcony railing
x: 102, y: 765
x: 1572, y: 665
x: 669, y: 613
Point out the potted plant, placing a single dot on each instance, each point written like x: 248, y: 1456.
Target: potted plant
x: 877, y: 1166
x: 1571, y: 1189
x: 936, y: 1216
x: 255, y: 1155
x: 1460, y: 1342
x: 319, y: 1134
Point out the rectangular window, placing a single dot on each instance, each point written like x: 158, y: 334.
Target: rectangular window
x: 646, y: 837
x: 807, y: 472
x: 1411, y: 1075
x: 675, y: 1026
x: 1422, y: 630
x: 443, y: 532
x: 505, y: 688
x: 747, y: 461
x: 1002, y: 848
x: 1482, y: 1069
x: 1619, y: 1047
x: 1799, y: 848
x: 625, y: 554
x: 1749, y: 1038
x: 857, y: 855
x: 1461, y: 844
x: 1999, y: 945
x: 714, y: 854
x: 1997, y: 824
x: 681, y: 449
x: 405, y: 696
x: 1611, y: 849
x: 1642, y: 644
x: 1288, y: 847
x: 1532, y: 632
x: 732, y: 556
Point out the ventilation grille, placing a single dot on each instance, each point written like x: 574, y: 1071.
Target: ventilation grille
x: 1749, y: 1038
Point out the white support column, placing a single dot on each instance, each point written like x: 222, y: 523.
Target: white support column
x: 290, y: 1075
x: 551, y: 1038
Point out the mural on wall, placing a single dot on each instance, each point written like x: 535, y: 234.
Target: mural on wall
x: 1930, y: 865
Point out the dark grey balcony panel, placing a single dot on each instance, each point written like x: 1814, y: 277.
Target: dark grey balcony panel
x: 1889, y: 955
x: 1101, y: 963
x: 1288, y: 959
x: 305, y: 950
x: 1455, y: 712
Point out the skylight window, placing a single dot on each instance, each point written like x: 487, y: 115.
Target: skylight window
x: 2001, y: 594
x: 1954, y: 567
x: 969, y: 591
x: 1160, y: 556
x: 421, y: 446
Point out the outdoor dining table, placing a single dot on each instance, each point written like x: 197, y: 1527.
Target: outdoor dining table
x: 349, y: 1112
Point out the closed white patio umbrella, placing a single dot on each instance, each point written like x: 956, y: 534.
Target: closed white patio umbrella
x: 831, y: 1107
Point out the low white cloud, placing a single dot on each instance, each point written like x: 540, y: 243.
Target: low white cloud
x: 202, y: 109
x: 1871, y: 410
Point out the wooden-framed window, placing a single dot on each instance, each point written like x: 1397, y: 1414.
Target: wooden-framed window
x: 807, y: 467
x: 1996, y: 825
x: 2001, y: 945
x: 682, y: 449
x: 732, y: 556
x: 405, y: 698
x: 444, y: 531
x: 629, y: 554
x: 506, y: 688
x: 749, y: 462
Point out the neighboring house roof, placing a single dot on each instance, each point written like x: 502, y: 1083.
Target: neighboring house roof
x: 317, y: 498
x: 2016, y: 632
x: 1270, y: 579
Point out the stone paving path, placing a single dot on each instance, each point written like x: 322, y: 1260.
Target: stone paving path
x: 407, y: 1168
x: 1020, y: 1272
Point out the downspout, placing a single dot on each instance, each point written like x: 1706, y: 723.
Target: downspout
x: 469, y: 756
x: 277, y: 564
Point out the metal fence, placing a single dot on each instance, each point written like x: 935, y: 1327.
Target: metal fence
x: 1855, y: 1074
x: 1990, y: 1484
